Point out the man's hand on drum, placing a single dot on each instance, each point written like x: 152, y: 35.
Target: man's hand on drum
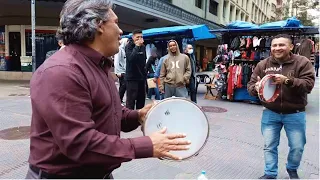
x: 163, y: 143
x: 279, y: 79
x: 143, y: 112
x: 257, y: 83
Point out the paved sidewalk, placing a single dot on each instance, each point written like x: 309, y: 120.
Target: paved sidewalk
x: 234, y: 149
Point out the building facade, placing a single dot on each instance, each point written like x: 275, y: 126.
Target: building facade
x: 224, y: 11
x: 15, y: 22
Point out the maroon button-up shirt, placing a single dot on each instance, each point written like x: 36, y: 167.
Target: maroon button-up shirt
x: 77, y: 116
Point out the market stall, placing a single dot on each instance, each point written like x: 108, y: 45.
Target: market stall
x: 243, y: 46
x: 159, y: 37
x: 194, y: 35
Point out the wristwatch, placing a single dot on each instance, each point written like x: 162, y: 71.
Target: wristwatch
x: 288, y: 82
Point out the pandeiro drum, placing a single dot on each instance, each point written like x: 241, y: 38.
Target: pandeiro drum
x: 179, y: 115
x: 268, y: 92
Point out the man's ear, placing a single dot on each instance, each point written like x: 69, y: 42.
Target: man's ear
x: 291, y: 47
x: 100, y: 27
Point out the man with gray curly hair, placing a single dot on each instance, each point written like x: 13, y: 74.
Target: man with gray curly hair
x: 76, y: 111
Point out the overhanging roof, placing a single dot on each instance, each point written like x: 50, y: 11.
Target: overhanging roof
x: 198, y: 32
x: 307, y: 30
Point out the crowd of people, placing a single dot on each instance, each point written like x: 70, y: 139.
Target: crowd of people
x: 172, y: 74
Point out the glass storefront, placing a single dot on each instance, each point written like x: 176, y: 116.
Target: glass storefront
x: 2, y: 49
x: 45, y: 41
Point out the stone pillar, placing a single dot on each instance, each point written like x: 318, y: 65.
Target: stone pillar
x: 233, y: 15
x: 227, y: 12
x: 220, y: 11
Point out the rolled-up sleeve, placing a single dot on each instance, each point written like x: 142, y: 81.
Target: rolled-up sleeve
x: 65, y: 105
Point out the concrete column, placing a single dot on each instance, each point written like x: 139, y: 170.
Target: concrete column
x: 23, y: 40
x: 220, y: 11
x: 233, y: 15
x: 239, y: 15
x: 227, y: 12
x: 6, y: 40
x: 249, y: 10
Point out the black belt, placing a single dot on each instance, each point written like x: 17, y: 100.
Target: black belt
x: 78, y: 175
x: 289, y: 111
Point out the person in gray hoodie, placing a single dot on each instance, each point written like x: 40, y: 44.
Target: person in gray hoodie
x: 175, y: 72
x: 120, y: 67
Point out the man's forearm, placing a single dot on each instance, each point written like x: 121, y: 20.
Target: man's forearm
x: 130, y: 120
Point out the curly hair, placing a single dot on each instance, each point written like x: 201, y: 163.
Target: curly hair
x: 80, y: 19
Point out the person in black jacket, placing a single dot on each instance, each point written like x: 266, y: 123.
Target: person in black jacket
x: 135, y: 71
x: 193, y: 85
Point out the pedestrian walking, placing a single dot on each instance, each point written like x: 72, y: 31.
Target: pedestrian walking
x: 192, y: 86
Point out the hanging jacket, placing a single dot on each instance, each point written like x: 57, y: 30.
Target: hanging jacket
x: 235, y: 44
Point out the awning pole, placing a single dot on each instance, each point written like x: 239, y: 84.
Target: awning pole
x: 33, y: 32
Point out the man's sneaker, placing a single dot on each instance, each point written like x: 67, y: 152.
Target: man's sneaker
x: 267, y: 177
x: 293, y: 174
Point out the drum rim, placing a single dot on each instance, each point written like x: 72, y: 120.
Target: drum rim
x: 207, y: 136
x: 261, y: 86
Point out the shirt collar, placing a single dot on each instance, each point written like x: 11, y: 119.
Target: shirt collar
x: 92, y: 54
x: 288, y: 61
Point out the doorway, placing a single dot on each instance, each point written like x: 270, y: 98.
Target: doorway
x: 14, y: 64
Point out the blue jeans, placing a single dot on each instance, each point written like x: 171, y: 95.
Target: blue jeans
x: 295, y: 128
x: 155, y: 90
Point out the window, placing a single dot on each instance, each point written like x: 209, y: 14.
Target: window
x: 198, y: 3
x: 231, y: 13
x: 224, y: 8
x: 213, y: 8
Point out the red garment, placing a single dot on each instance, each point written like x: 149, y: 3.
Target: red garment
x: 230, y: 83
x: 239, y: 84
x: 77, y: 116
x: 234, y: 77
x: 249, y: 42
x: 244, y: 55
x: 252, y: 55
x: 312, y: 45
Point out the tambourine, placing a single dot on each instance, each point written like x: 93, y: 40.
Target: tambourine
x: 268, y: 92
x: 179, y: 115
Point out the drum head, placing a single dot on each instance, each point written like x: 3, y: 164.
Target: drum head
x: 179, y: 116
x: 268, y: 92
x: 269, y: 89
